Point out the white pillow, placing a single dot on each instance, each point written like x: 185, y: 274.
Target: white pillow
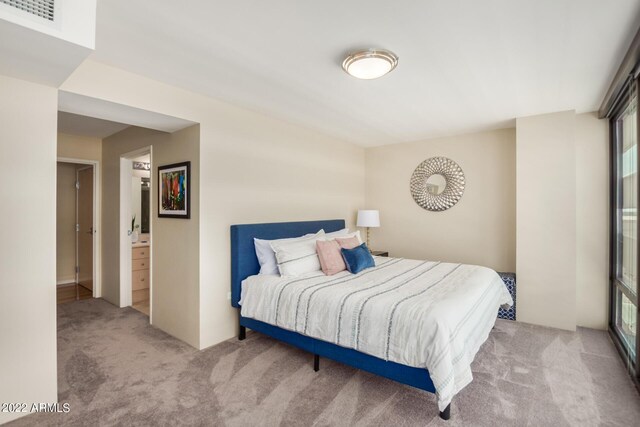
x: 339, y: 233
x: 348, y: 235
x: 297, y: 257
x: 267, y: 256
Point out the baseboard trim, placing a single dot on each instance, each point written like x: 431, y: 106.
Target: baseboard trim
x: 65, y: 282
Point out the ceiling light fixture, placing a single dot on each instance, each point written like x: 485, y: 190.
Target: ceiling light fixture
x: 370, y: 64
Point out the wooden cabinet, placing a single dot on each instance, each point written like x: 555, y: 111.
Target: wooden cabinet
x: 140, y: 264
x: 140, y: 252
x: 140, y: 268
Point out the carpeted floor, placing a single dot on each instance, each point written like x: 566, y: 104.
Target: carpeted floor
x: 115, y: 369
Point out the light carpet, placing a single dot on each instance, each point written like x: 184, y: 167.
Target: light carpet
x: 116, y: 369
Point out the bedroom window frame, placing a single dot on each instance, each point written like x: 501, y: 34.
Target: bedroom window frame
x: 630, y: 94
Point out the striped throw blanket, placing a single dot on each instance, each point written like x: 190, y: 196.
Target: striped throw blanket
x: 423, y: 314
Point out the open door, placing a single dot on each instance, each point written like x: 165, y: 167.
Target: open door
x: 84, y: 228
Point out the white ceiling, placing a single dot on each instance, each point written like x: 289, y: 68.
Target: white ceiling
x: 74, y: 124
x: 464, y: 65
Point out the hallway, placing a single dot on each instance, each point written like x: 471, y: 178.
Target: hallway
x: 70, y: 293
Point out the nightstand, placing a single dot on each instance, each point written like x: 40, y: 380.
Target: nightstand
x: 380, y: 253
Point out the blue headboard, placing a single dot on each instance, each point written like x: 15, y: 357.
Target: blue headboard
x: 244, y: 262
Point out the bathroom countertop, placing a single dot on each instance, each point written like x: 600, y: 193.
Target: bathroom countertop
x: 140, y: 244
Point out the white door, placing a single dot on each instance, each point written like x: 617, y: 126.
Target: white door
x: 84, y: 229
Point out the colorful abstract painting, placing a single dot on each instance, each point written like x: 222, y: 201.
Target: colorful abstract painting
x: 173, y: 196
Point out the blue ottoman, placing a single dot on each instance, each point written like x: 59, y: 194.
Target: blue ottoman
x: 509, y: 280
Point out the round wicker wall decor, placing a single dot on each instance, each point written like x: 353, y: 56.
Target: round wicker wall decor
x: 427, y: 195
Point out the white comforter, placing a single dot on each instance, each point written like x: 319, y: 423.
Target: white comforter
x: 419, y: 313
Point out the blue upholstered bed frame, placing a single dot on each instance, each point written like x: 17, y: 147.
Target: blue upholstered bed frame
x: 244, y: 263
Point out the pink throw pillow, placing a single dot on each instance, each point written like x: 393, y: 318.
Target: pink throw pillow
x: 349, y: 243
x: 330, y: 257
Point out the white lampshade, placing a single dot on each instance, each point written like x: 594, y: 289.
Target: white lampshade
x: 368, y: 218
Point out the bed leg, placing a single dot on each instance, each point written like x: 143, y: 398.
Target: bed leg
x: 243, y: 333
x: 446, y: 414
x: 316, y: 362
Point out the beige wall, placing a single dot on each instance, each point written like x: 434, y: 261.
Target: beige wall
x: 255, y: 169
x: 546, y: 219
x: 479, y: 229
x: 28, y: 233
x: 176, y: 245
x: 79, y: 147
x: 592, y: 227
x: 66, y: 223
x: 563, y: 220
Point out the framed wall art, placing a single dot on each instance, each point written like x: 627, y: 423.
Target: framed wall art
x: 174, y: 188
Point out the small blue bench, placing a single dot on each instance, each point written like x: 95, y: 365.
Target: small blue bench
x: 509, y: 280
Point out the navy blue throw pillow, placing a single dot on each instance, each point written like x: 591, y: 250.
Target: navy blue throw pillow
x: 358, y: 258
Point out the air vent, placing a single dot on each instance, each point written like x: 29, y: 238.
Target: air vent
x: 40, y: 8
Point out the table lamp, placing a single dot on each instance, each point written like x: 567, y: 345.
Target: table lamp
x: 368, y: 218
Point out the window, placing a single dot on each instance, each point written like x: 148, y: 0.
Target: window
x: 629, y: 181
x: 624, y: 227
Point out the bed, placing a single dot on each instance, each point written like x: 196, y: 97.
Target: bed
x: 392, y: 320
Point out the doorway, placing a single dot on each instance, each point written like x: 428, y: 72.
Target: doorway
x: 84, y: 227
x: 76, y: 238
x: 135, y: 206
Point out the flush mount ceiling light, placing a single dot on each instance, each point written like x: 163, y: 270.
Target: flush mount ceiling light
x: 370, y: 64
